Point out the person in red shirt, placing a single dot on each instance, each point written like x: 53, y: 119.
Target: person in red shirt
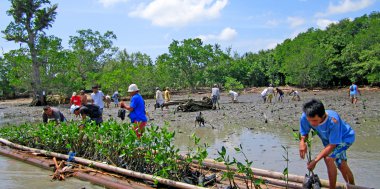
x: 75, y: 99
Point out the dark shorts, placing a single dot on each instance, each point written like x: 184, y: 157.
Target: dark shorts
x: 214, y: 99
x: 339, y: 153
x: 98, y: 120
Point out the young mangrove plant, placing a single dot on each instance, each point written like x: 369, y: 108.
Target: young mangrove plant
x: 245, y: 169
x: 229, y: 174
x: 285, y: 172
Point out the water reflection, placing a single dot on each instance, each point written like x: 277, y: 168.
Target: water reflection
x: 264, y: 149
x: 16, y: 174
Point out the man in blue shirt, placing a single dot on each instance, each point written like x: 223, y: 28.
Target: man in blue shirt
x: 137, y: 110
x: 353, y: 93
x: 336, y: 135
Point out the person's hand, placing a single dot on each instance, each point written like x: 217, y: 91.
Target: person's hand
x: 311, y: 165
x: 303, y: 149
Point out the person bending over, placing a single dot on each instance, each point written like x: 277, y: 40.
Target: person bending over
x: 336, y: 135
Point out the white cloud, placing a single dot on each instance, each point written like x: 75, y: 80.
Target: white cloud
x: 345, y: 6
x: 296, y: 32
x: 271, y: 23
x: 227, y: 34
x: 295, y: 21
x: 174, y: 13
x: 108, y: 3
x: 323, y: 23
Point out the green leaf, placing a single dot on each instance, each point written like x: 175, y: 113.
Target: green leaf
x: 285, y: 171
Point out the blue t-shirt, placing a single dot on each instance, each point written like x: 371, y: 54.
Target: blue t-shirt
x: 353, y: 90
x: 138, y: 105
x: 332, y: 131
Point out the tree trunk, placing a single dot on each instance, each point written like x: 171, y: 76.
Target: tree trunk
x: 39, y: 99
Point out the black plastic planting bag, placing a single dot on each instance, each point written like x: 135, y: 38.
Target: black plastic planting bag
x: 311, y: 182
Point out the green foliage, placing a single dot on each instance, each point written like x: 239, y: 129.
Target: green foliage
x: 285, y: 172
x: 243, y: 168
x: 233, y: 84
x: 114, y: 143
x: 346, y: 51
x: 91, y: 50
x: 30, y: 18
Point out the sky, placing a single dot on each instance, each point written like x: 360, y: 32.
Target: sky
x: 149, y: 26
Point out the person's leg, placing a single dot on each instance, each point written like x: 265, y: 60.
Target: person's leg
x: 139, y: 128
x: 331, y: 171
x: 355, y: 99
x: 346, y: 172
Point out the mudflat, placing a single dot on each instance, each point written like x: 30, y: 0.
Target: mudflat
x: 261, y: 128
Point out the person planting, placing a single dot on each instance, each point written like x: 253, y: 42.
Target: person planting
x: 336, y: 135
x: 52, y: 113
x: 137, y: 110
x: 90, y: 110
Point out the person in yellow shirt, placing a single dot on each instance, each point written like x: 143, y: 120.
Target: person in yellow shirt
x: 167, y: 95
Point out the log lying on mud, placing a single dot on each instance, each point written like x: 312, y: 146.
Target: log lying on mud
x: 95, y: 178
x: 103, y: 166
x: 192, y: 105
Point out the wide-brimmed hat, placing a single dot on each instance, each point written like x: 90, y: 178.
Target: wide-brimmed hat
x: 132, y: 88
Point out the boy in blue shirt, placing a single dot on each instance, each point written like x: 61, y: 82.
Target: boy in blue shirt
x: 353, y: 93
x: 336, y: 135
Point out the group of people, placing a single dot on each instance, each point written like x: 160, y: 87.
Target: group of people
x: 268, y: 93
x: 162, y: 99
x: 336, y: 135
x: 79, y: 106
x: 215, y: 96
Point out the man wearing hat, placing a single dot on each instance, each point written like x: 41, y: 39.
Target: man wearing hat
x: 90, y: 110
x: 137, y: 110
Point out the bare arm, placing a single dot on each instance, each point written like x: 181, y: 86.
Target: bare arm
x: 325, y: 152
x: 129, y: 108
x: 303, y: 146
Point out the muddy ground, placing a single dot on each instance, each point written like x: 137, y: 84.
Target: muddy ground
x: 245, y: 123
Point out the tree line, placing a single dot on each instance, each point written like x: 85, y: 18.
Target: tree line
x: 343, y: 52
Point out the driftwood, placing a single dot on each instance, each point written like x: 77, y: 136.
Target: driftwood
x: 192, y: 105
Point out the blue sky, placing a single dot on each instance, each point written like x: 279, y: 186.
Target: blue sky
x: 149, y: 26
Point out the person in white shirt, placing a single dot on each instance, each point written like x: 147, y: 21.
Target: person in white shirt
x: 270, y: 93
x: 215, y: 96
x: 98, y: 97
x: 233, y: 95
x: 264, y: 94
x: 159, y: 99
x: 295, y: 95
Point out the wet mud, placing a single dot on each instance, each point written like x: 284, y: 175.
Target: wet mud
x: 262, y: 129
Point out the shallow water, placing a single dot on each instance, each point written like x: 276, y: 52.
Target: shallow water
x: 19, y: 175
x: 244, y: 123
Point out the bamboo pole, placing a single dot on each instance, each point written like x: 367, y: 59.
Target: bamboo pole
x: 100, y: 181
x: 266, y: 173
x: 105, y: 167
x: 40, y: 163
x: 95, y: 178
